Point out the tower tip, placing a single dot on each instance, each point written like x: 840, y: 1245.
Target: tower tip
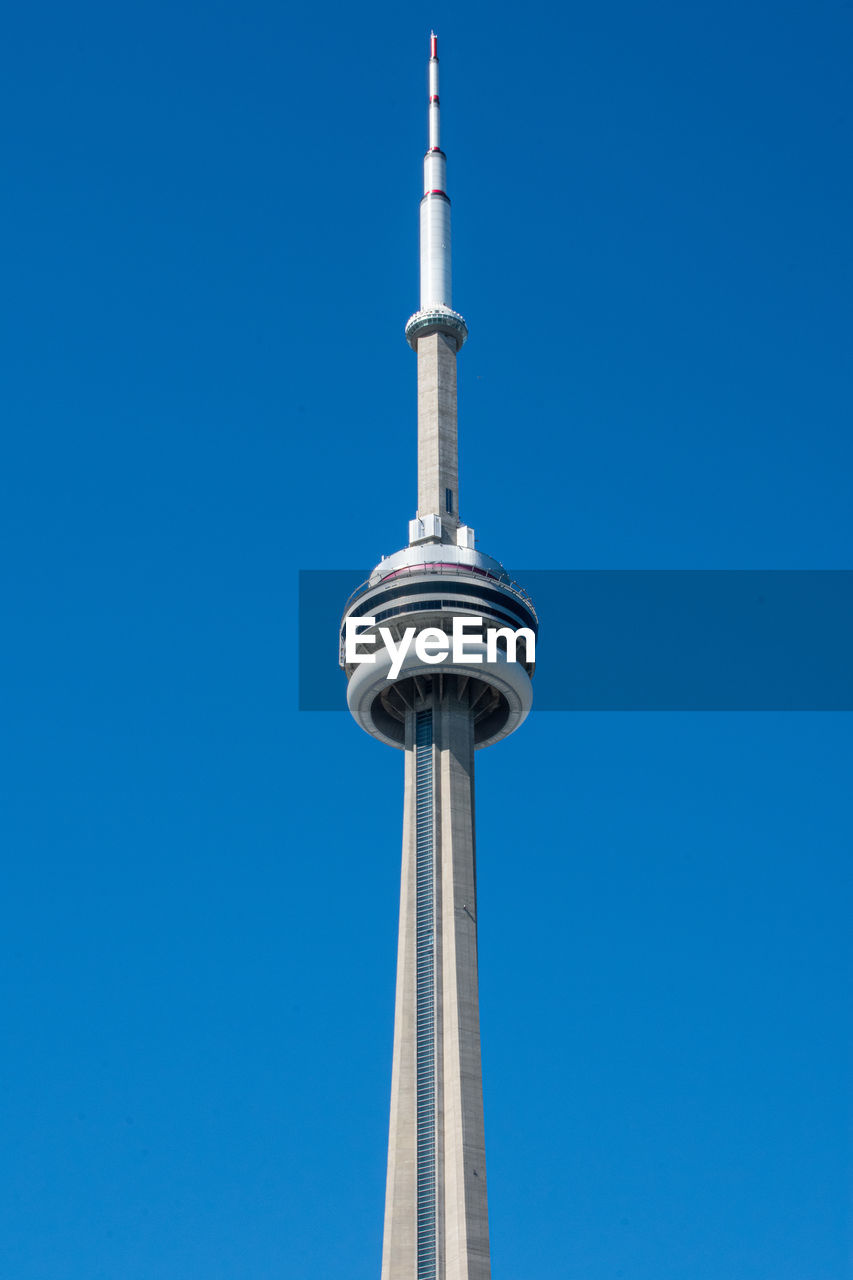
x: 433, y: 45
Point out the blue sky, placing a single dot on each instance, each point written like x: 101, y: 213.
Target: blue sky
x: 210, y: 237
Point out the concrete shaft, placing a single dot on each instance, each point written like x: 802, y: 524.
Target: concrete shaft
x: 438, y: 456
x: 445, y: 1029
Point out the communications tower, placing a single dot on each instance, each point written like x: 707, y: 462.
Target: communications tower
x: 436, y: 1222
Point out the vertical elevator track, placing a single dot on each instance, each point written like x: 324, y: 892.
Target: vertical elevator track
x: 425, y: 971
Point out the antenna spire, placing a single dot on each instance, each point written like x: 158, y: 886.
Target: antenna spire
x: 435, y: 206
x: 436, y: 312
x: 434, y: 108
x: 436, y: 332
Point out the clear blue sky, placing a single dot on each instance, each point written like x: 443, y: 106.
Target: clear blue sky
x: 210, y: 244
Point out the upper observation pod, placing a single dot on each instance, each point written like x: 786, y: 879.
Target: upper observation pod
x: 436, y: 314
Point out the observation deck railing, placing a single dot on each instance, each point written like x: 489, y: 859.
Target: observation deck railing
x: 448, y: 569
